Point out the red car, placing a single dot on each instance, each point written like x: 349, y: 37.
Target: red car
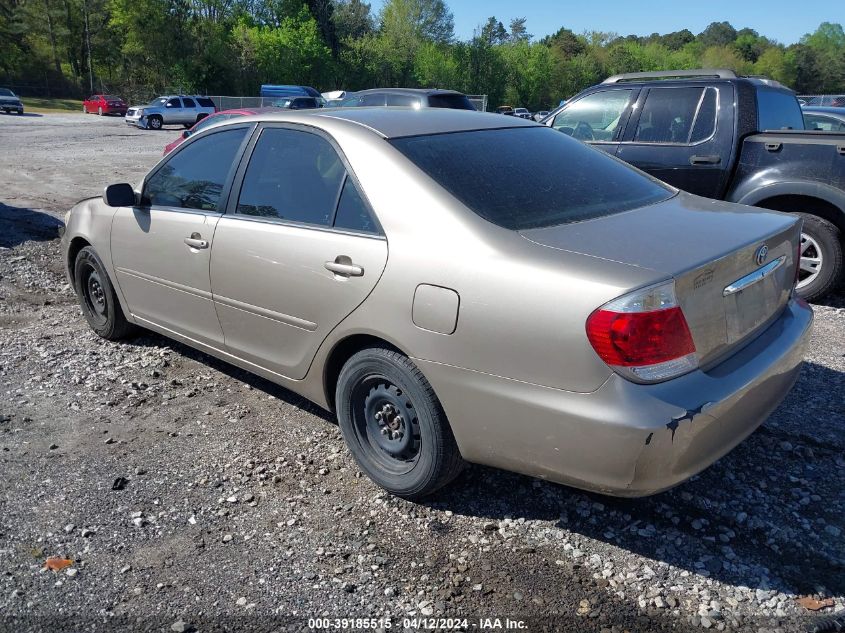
x: 104, y: 104
x: 211, y: 119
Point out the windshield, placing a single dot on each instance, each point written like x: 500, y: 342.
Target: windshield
x: 541, y: 177
x: 158, y: 102
x: 5, y: 92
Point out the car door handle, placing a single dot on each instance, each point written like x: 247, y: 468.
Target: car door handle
x: 705, y: 160
x: 344, y: 266
x: 196, y: 241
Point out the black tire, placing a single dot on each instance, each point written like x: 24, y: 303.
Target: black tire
x: 825, y: 238
x: 188, y: 126
x: 200, y: 117
x: 97, y: 297
x: 155, y: 122
x: 410, y: 450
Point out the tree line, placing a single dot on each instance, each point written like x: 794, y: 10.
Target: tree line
x: 139, y: 48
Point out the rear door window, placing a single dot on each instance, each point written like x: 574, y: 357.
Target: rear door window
x: 294, y: 176
x: 194, y: 177
x: 543, y: 179
x: 189, y: 103
x: 408, y: 101
x: 677, y: 116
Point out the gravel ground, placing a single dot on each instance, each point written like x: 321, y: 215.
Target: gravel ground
x: 238, y: 508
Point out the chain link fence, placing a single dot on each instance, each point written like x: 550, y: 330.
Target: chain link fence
x: 837, y: 101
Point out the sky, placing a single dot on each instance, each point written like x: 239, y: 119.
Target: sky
x: 782, y: 20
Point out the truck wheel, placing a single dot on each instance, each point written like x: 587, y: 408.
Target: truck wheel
x: 97, y: 297
x: 821, y: 264
x: 394, y: 424
x: 155, y: 122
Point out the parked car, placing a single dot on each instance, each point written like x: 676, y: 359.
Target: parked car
x: 9, y: 102
x: 505, y: 109
x: 210, y: 120
x: 718, y: 135
x: 104, y: 104
x: 545, y: 309
x: 409, y: 98
x: 522, y: 113
x: 540, y: 115
x: 826, y: 119
x: 272, y: 90
x: 333, y: 98
x: 169, y: 110
x: 298, y: 103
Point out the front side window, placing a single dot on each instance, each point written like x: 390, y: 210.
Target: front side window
x: 294, y: 176
x: 677, y: 115
x: 195, y: 176
x: 594, y: 117
x: 543, y: 179
x: 174, y: 103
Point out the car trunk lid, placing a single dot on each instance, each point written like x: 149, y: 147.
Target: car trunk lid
x: 733, y: 267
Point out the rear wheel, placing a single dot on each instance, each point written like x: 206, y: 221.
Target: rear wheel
x: 97, y: 297
x: 394, y: 424
x: 155, y: 122
x: 821, y: 263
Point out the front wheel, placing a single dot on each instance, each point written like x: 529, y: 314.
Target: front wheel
x: 821, y: 263
x: 97, y: 297
x: 394, y: 424
x: 155, y: 122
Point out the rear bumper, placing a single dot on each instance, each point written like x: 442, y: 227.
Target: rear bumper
x: 624, y: 439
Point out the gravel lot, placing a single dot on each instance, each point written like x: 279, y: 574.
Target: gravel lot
x: 239, y: 508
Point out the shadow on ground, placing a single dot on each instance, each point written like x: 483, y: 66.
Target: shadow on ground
x: 19, y: 225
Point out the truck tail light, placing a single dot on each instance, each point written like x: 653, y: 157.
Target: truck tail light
x: 644, y: 335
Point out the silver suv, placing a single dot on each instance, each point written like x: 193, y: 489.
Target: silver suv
x: 169, y: 110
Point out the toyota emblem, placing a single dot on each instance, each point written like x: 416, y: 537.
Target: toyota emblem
x: 761, y: 254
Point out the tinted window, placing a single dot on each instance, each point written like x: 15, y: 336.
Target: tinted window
x: 668, y: 114
x: 174, y: 103
x: 376, y: 99
x: 194, y: 177
x: 352, y: 213
x: 778, y: 110
x: 454, y: 101
x: 292, y: 175
x: 189, y: 103
x: 304, y: 103
x: 530, y: 177
x: 705, y: 122
x: 408, y: 101
x: 594, y: 117
x: 205, y: 102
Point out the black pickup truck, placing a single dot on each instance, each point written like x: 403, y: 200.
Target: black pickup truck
x: 741, y: 139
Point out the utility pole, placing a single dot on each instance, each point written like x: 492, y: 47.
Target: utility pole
x: 88, y: 45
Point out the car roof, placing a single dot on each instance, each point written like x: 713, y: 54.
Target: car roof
x: 399, y: 122
x: 409, y: 91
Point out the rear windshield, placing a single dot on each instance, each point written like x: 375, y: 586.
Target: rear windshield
x: 777, y: 110
x: 530, y: 177
x: 454, y: 101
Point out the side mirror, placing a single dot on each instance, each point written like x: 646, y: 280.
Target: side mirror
x: 186, y: 133
x: 119, y: 195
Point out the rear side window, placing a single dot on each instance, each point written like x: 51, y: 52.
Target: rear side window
x: 205, y: 102
x: 777, y: 110
x: 530, y: 177
x: 352, y: 213
x: 677, y: 115
x: 454, y: 101
x: 294, y: 176
x: 194, y: 177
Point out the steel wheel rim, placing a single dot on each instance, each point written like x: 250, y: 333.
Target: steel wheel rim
x: 386, y: 424
x: 810, y: 262
x: 94, y: 294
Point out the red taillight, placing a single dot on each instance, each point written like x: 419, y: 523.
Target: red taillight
x: 634, y: 339
x: 644, y: 335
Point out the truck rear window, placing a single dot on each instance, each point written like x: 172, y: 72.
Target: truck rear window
x: 530, y: 177
x: 778, y: 110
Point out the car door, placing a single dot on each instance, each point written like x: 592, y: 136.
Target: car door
x: 597, y: 118
x: 161, y: 248
x: 297, y: 251
x: 682, y: 137
x: 189, y: 110
x: 173, y: 111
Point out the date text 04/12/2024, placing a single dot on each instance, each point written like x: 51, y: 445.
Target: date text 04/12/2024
x: 430, y: 624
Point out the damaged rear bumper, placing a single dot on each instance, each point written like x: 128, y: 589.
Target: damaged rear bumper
x: 624, y: 439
